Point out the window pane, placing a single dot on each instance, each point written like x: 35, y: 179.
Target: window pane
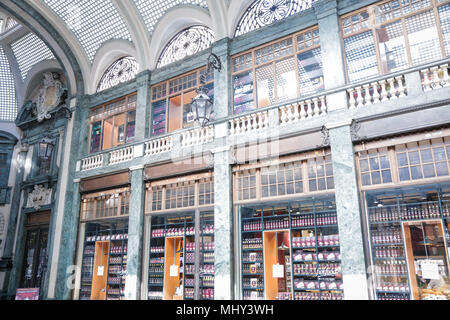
x: 376, y: 178
x: 310, y: 72
x: 131, y: 121
x: 364, y: 165
x: 386, y: 175
x: 158, y: 117
x: 404, y: 174
x: 402, y: 160
x: 119, y: 129
x: 286, y: 79
x: 188, y: 116
x: 444, y: 16
x: 428, y: 170
x: 175, y: 113
x: 243, y: 92
x: 391, y: 44
x: 360, y: 56
x: 441, y: 169
x: 365, y: 179
x: 281, y: 189
x: 416, y: 173
x: 330, y: 183
x: 290, y: 188
x: 321, y: 184
x: 312, y: 185
x: 298, y: 187
x: 439, y: 154
x: 426, y: 155
x: 374, y: 164
x: 265, y: 86
x: 423, y: 38
x: 108, y: 129
x: 384, y: 162
x: 413, y: 157
x: 96, y: 137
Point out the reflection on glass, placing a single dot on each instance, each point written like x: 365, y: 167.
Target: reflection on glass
x: 286, y: 79
x: 391, y: 44
x: 310, y: 71
x: 265, y: 86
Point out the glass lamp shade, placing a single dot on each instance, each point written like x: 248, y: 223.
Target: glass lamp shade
x: 201, y: 107
x: 45, y: 149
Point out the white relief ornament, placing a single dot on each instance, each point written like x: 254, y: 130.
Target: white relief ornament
x: 38, y: 197
x: 49, y: 96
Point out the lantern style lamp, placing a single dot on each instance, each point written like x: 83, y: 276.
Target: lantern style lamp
x: 46, y: 147
x: 202, y: 105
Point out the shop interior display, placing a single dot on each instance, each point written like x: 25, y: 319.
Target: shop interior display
x: 104, y: 262
x: 172, y: 265
x: 291, y: 252
x: 409, y: 237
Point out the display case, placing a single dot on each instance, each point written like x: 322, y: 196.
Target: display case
x: 291, y: 251
x: 172, y: 265
x: 103, y: 267
x: 408, y: 231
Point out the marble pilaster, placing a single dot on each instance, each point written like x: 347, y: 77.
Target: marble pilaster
x: 223, y: 226
x: 135, y: 234
x: 142, y: 105
x: 348, y: 212
x: 222, y: 80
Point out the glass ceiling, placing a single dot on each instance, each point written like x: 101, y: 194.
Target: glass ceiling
x: 8, y: 103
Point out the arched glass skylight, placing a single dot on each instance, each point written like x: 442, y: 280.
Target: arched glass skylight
x: 186, y: 43
x: 92, y: 22
x: 10, y: 22
x: 120, y: 71
x: 30, y: 50
x: 8, y: 102
x: 152, y: 11
x: 264, y: 12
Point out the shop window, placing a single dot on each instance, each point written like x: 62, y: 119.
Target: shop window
x: 104, y: 262
x: 112, y: 124
x: 171, y: 101
x: 106, y: 204
x: 320, y: 173
x: 408, y: 235
x: 284, y: 180
x: 246, y: 185
x: 374, y: 167
x: 424, y: 159
x: 394, y: 35
x: 173, y: 194
x: 283, y: 70
x: 291, y: 251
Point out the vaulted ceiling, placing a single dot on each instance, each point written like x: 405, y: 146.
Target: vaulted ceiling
x: 83, y: 37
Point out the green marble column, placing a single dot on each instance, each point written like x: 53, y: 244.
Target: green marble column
x: 222, y: 79
x: 223, y: 227
x: 142, y: 105
x: 348, y: 212
x: 135, y: 234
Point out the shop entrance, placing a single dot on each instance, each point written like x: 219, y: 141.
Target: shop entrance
x: 427, y: 259
x: 35, y: 256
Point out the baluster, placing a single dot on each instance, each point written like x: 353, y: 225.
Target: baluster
x: 231, y: 127
x: 392, y: 89
x: 367, y: 97
x: 302, y: 111
x: 446, y: 78
x: 384, y: 93
x: 351, y: 101
x: 434, y: 77
x: 401, y: 89
x: 252, y: 121
x: 309, y: 108
x: 359, y: 98
x: 284, y: 116
x: 296, y: 114
x: 426, y: 80
x: 316, y: 107
x: 376, y: 94
x: 323, y: 106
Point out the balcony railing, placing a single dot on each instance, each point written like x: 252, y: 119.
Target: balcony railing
x: 92, y: 162
x: 121, y: 155
x: 303, y: 110
x: 435, y: 77
x: 157, y: 146
x: 197, y: 136
x: 249, y: 123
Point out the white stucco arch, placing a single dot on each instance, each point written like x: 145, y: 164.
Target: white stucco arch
x: 34, y: 76
x: 218, y: 10
x: 109, y: 52
x: 235, y: 12
x: 173, y: 21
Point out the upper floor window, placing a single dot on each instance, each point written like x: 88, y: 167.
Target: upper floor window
x: 186, y: 43
x: 105, y: 204
x: 112, y: 124
x: 264, y: 12
x: 120, y: 71
x: 171, y: 101
x: 283, y: 70
x: 394, y: 35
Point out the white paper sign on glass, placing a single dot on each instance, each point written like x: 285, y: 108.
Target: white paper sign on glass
x: 173, y: 270
x: 430, y: 269
x: 278, y: 271
x: 100, y: 271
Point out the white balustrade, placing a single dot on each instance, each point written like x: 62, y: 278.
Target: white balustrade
x: 376, y: 92
x: 92, y: 162
x: 121, y: 155
x: 303, y: 110
x: 197, y: 136
x: 435, y: 77
x: 157, y: 146
x: 250, y: 123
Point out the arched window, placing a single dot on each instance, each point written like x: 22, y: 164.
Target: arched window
x: 120, y: 71
x: 264, y: 12
x: 186, y: 43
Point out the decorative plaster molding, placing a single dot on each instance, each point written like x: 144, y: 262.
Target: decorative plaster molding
x: 49, y: 97
x: 38, y: 197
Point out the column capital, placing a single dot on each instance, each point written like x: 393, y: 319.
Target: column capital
x: 138, y: 167
x: 221, y: 47
x: 338, y: 124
